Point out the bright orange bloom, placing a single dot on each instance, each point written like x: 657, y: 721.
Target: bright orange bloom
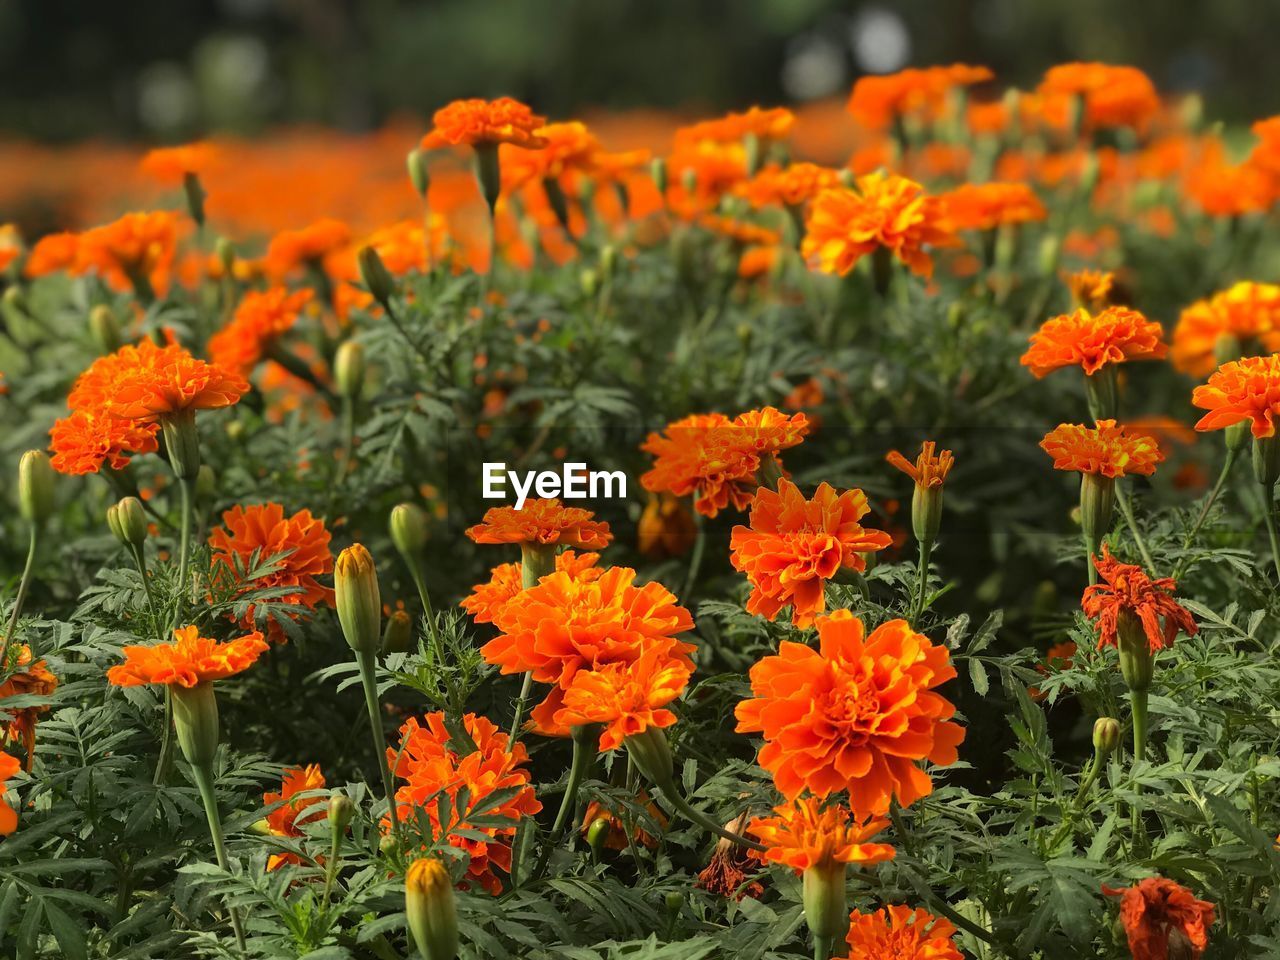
x: 854, y: 715
x: 147, y: 382
x: 479, y: 122
x: 137, y: 246
x: 28, y: 679
x: 170, y: 165
x: 567, y: 148
x: 287, y: 819
x: 299, y: 543
x: 1223, y: 189
x: 897, y: 932
x: 8, y: 816
x: 1112, y: 96
x: 1091, y: 341
x: 805, y: 834
x: 766, y: 123
x: 84, y: 441
x: 292, y: 250
x: 1246, y: 313
x: 544, y: 523
x: 626, y: 697
x: 714, y: 169
x: 564, y: 625
x: 930, y: 469
x: 794, y: 546
x: 718, y: 460
x: 433, y: 764
x: 886, y: 211
x: 261, y: 317
x: 1127, y: 589
x: 188, y: 661
x: 1247, y: 389
x: 507, y: 579
x: 1157, y: 913
x: 51, y: 253
x: 622, y: 832
x: 985, y: 206
x: 877, y: 100
x: 1107, y: 449
x: 1091, y: 289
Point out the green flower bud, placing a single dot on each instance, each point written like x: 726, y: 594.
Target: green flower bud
x: 359, y: 602
x: 397, y: 635
x: 1047, y: 258
x: 1097, y: 508
x: 430, y: 909
x: 375, y: 276
x: 226, y: 253
x: 128, y: 521
x: 1237, y: 435
x: 608, y: 260
x: 674, y: 900
x: 826, y: 910
x: 1106, y: 735
x: 15, y: 299
x: 195, y: 196
x: 341, y: 812
x: 416, y: 162
x: 348, y: 369
x: 35, y: 487
x: 1266, y: 460
x: 589, y: 280
x: 104, y: 329
x: 1137, y: 661
x: 195, y: 720
x: 182, y: 443
x: 206, y: 482
x: 410, y: 529
x: 651, y: 754
x: 597, y: 833
x: 658, y: 171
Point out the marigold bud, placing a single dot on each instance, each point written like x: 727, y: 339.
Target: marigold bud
x: 651, y: 754
x: 658, y: 171
x: 182, y: 443
x: 1237, y: 435
x: 430, y: 909
x: 926, y: 513
x: 397, y: 635
x: 1266, y: 460
x: 226, y: 253
x: 608, y: 260
x: 374, y: 275
x: 359, y: 602
x: 674, y: 900
x: 416, y: 162
x: 348, y: 369
x: 15, y: 299
x: 1137, y: 662
x: 589, y: 280
x: 104, y: 329
x: 1097, y: 508
x: 488, y: 173
x: 35, y: 487
x: 826, y: 910
x: 1106, y: 735
x: 195, y: 196
x: 128, y: 521
x: 206, y: 482
x: 410, y: 529
x: 597, y: 833
x: 341, y: 812
x: 1047, y: 258
x: 195, y: 720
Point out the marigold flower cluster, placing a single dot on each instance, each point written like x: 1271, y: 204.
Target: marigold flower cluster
x: 259, y: 320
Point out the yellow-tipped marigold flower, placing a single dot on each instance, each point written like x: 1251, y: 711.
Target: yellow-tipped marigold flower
x: 1232, y: 323
x: 930, y: 474
x: 479, y: 122
x: 358, y: 599
x: 430, y: 909
x: 1091, y: 289
x: 1245, y: 390
x: 287, y: 819
x: 1092, y: 341
x: 1106, y: 449
x: 897, y: 932
x: 793, y: 546
x: 854, y: 715
x: 1159, y: 916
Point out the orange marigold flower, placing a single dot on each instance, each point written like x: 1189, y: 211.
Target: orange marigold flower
x: 1113, y: 96
x: 138, y: 245
x: 567, y: 148
x: 626, y: 697
x: 8, y: 816
x: 287, y: 819
x: 542, y: 522
x: 170, y: 165
x: 1107, y: 449
x: 507, y: 579
x: 188, y: 661
x: 897, y: 932
x: 621, y: 833
x: 299, y: 544
x: 703, y: 172
x: 1247, y: 389
x: 478, y: 122
x: 854, y: 715
x: 1091, y: 289
x: 1158, y: 913
x: 53, y: 252
x: 885, y: 211
x: 261, y: 317
x: 146, y: 382
x: 1238, y: 320
x: 291, y: 250
x: 930, y: 469
x: 793, y: 546
x: 878, y: 100
x: 805, y: 834
x: 84, y: 441
x: 1126, y: 589
x: 718, y: 460
x: 433, y: 764
x: 985, y: 206
x: 564, y: 625
x: 1223, y: 189
x: 1093, y: 340
x: 28, y: 679
x: 767, y: 123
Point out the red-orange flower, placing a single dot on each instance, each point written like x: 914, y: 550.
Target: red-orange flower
x: 791, y: 186
x: 28, y: 679
x: 507, y: 579
x: 299, y: 544
x: 478, y: 122
x: 794, y: 546
x: 1247, y: 389
x: 434, y: 764
x: 930, y: 469
x: 877, y: 100
x: 51, y: 253
x: 138, y: 246
x: 897, y: 932
x: 84, y: 442
x: 287, y: 819
x: 1158, y: 913
x: 854, y: 715
x: 1127, y: 590
x: 1246, y: 313
x: 542, y: 523
x: 564, y: 625
x: 985, y: 206
x: 146, y: 382
x: 1091, y: 341
x: 170, y: 165
x: 628, y: 698
x: 885, y: 211
x: 261, y: 317
x: 8, y: 816
x: 1112, y: 96
x: 718, y: 460
x: 291, y: 250
x: 188, y: 661
x: 1107, y: 449
x: 767, y: 123
x: 807, y: 834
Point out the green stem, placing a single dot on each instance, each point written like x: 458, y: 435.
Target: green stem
x: 583, y: 753
x: 1095, y: 770
x: 141, y: 561
x: 368, y: 680
x: 348, y: 433
x: 1122, y: 497
x: 1204, y: 510
x: 203, y: 776
x: 23, y: 586
x: 699, y: 548
x: 922, y: 581
x: 1269, y: 515
x: 822, y: 947
x: 677, y: 801
x: 526, y: 685
x: 418, y: 581
x: 184, y: 546
x: 1139, y: 706
x: 331, y: 870
x: 165, y: 761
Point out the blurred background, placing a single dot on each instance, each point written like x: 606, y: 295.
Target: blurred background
x: 167, y: 70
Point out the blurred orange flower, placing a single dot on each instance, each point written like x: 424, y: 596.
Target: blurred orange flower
x: 791, y: 186
x: 806, y: 834
x: 1246, y: 314
x: 475, y: 121
x: 666, y: 527
x: 287, y: 819
x: 170, y: 165
x: 854, y: 715
x: 261, y: 317
x: 1091, y: 289
x: 188, y: 661
x: 1091, y: 341
x: 767, y: 123
x: 1107, y: 449
x: 27, y: 679
x: 507, y: 579
x: 877, y: 100
x: 1160, y: 916
x: 542, y: 522
x: 1112, y: 96
x: 985, y: 206
x: 293, y: 250
x: 897, y: 932
x: 1126, y: 589
x: 930, y: 470
x: 1247, y: 389
x: 137, y: 248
